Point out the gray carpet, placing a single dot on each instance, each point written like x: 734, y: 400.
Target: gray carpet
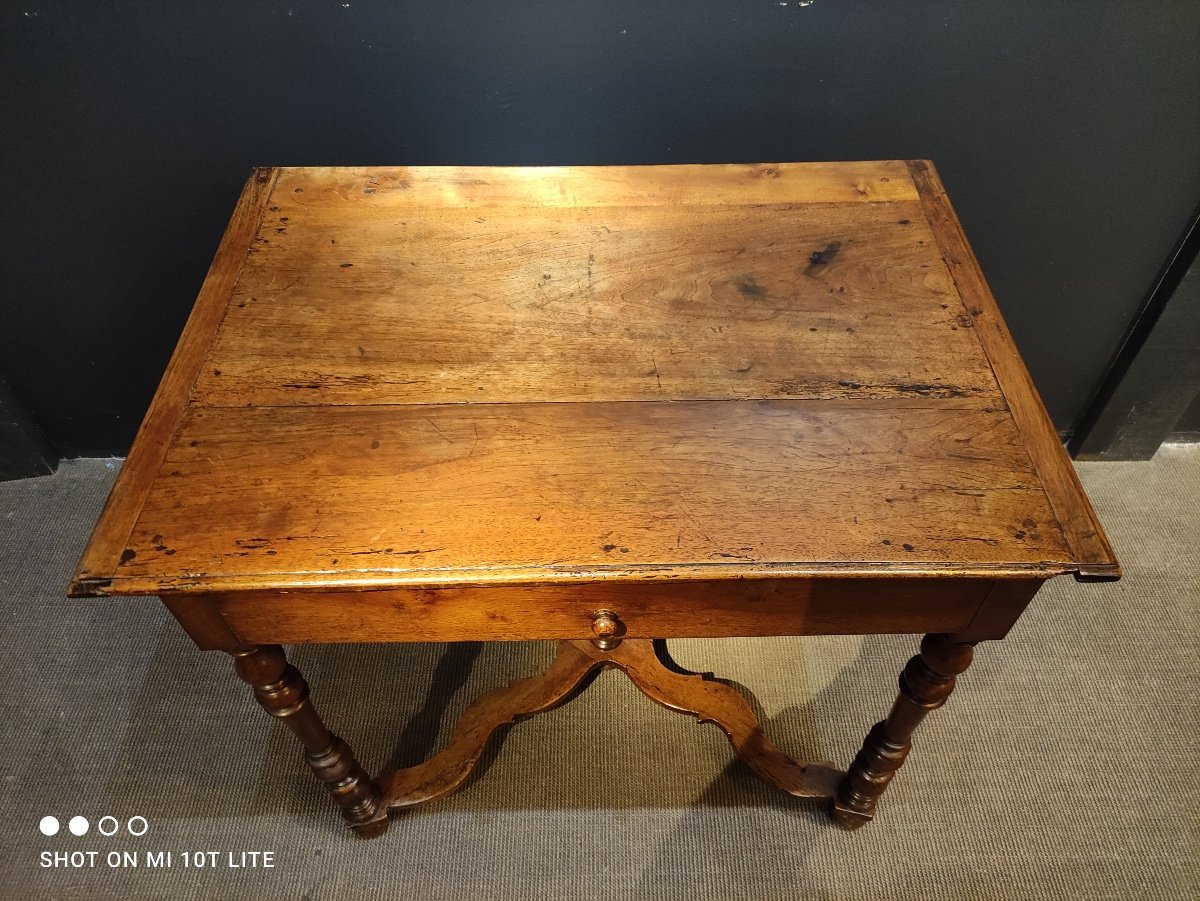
x: 1066, y: 766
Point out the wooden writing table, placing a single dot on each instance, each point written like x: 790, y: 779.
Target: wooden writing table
x: 608, y: 406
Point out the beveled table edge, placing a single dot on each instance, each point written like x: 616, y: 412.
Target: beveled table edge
x: 372, y: 580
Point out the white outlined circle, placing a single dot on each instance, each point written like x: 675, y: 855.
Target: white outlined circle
x: 115, y: 826
x: 78, y: 825
x: 48, y: 825
x: 145, y: 825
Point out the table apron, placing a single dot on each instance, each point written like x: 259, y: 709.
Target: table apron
x: 981, y: 608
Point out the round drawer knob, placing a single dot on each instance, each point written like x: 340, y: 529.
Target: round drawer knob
x: 608, y: 629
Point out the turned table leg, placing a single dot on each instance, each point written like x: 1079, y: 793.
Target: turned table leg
x: 925, y: 685
x: 282, y: 692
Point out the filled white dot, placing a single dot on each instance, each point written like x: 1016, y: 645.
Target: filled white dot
x: 48, y: 825
x: 78, y: 825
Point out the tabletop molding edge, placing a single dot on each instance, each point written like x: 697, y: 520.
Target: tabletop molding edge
x: 1095, y: 559
x: 102, y: 555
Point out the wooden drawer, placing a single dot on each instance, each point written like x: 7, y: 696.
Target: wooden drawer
x: 646, y: 610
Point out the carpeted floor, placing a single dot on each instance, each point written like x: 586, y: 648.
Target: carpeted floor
x: 1067, y: 765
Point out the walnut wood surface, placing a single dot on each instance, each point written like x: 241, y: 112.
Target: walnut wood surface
x: 383, y: 190
x: 663, y: 609
x: 282, y: 692
x: 925, y: 684
x: 204, y: 623
x: 449, y: 377
x: 585, y: 304
x: 1079, y: 522
x: 716, y: 702
x: 159, y: 426
x: 468, y: 493
x: 447, y: 770
x: 710, y: 701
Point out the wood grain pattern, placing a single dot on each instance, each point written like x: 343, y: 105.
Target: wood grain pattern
x: 387, y: 189
x: 200, y: 616
x: 649, y: 666
x: 647, y: 609
x: 1082, y: 528
x: 709, y: 700
x: 1002, y: 606
x: 162, y: 418
x: 452, y: 377
x: 436, y: 495
x: 586, y: 304
x: 446, y: 771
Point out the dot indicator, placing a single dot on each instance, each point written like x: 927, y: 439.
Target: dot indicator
x: 78, y: 825
x: 48, y: 825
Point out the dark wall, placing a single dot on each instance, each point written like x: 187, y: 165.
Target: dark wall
x: 1188, y: 427
x: 1066, y: 132
x: 1157, y: 377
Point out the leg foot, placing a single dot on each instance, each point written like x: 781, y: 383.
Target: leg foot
x: 847, y: 818
x: 283, y: 693
x: 374, y: 829
x: 925, y: 685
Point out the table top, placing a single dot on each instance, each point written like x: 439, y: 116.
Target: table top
x: 448, y: 376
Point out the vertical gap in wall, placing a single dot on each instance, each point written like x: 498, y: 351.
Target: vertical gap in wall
x: 1182, y: 255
